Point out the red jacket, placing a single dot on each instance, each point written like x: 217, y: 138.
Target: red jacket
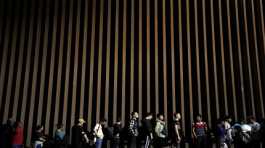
x: 18, y: 136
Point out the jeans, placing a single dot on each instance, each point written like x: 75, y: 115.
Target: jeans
x: 147, y: 142
x: 201, y: 142
x: 99, y: 143
x: 17, y: 146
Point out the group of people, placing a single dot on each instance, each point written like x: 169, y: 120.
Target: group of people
x: 152, y: 130
x: 11, y: 135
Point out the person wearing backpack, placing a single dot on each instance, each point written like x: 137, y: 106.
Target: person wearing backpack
x: 255, y: 132
x: 133, y: 130
x: 98, y: 130
x: 199, y: 132
x: 160, y: 132
x: 148, y: 129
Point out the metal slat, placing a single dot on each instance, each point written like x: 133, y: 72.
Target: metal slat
x: 132, y: 57
x: 189, y: 60
x: 20, y: 62
x: 108, y: 61
x: 116, y: 59
x: 124, y: 46
x: 248, y: 59
x: 172, y: 45
x: 60, y: 63
x: 91, y: 71
x: 214, y: 62
x: 156, y: 59
x: 206, y: 64
x: 68, y: 63
x: 76, y: 59
x: 257, y: 58
x: 52, y: 68
x: 164, y: 57
x: 11, y: 66
x: 34, y: 75
x: 140, y: 61
x: 84, y: 60
x: 100, y: 60
x: 240, y: 61
x: 43, y: 69
x: 148, y: 57
x: 197, y: 48
x: 223, y: 58
x: 182, y: 97
x: 231, y: 60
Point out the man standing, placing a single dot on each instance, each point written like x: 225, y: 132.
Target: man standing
x: 199, y: 132
x: 79, y: 137
x: 133, y: 130
x: 148, y: 129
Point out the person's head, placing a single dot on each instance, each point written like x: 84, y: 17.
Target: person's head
x: 103, y: 121
x: 251, y: 119
x: 176, y: 116
x: 59, y: 126
x: 39, y: 128
x: 149, y: 116
x: 199, y: 118
x: 228, y: 119
x: 9, y: 122
x: 18, y: 124
x: 160, y: 117
x: 118, y: 121
x: 81, y: 122
x: 135, y: 115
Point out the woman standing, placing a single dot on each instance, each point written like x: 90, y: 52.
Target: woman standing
x: 98, y: 130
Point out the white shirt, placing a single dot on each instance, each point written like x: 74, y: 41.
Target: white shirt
x: 98, y: 131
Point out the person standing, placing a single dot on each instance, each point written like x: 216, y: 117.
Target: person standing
x: 148, y: 129
x: 98, y: 130
x: 59, y: 136
x: 79, y: 136
x: 39, y: 138
x: 6, y: 134
x: 255, y: 132
x: 177, y: 131
x: 199, y: 132
x: 117, y: 129
x: 18, y: 137
x: 160, y: 131
x: 220, y: 133
x: 133, y: 130
x: 228, y: 131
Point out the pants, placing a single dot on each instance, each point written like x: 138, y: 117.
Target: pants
x: 133, y: 142
x: 201, y: 142
x: 116, y: 143
x: 147, y: 142
x: 99, y: 143
x: 17, y: 146
x: 160, y: 142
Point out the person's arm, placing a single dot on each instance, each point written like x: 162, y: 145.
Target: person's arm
x: 131, y: 127
x: 159, y: 130
x: 193, y: 131
x: 177, y: 133
x: 206, y: 127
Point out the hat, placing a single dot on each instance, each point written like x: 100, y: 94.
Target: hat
x: 81, y: 121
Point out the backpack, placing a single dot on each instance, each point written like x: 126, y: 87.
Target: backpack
x: 245, y: 137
